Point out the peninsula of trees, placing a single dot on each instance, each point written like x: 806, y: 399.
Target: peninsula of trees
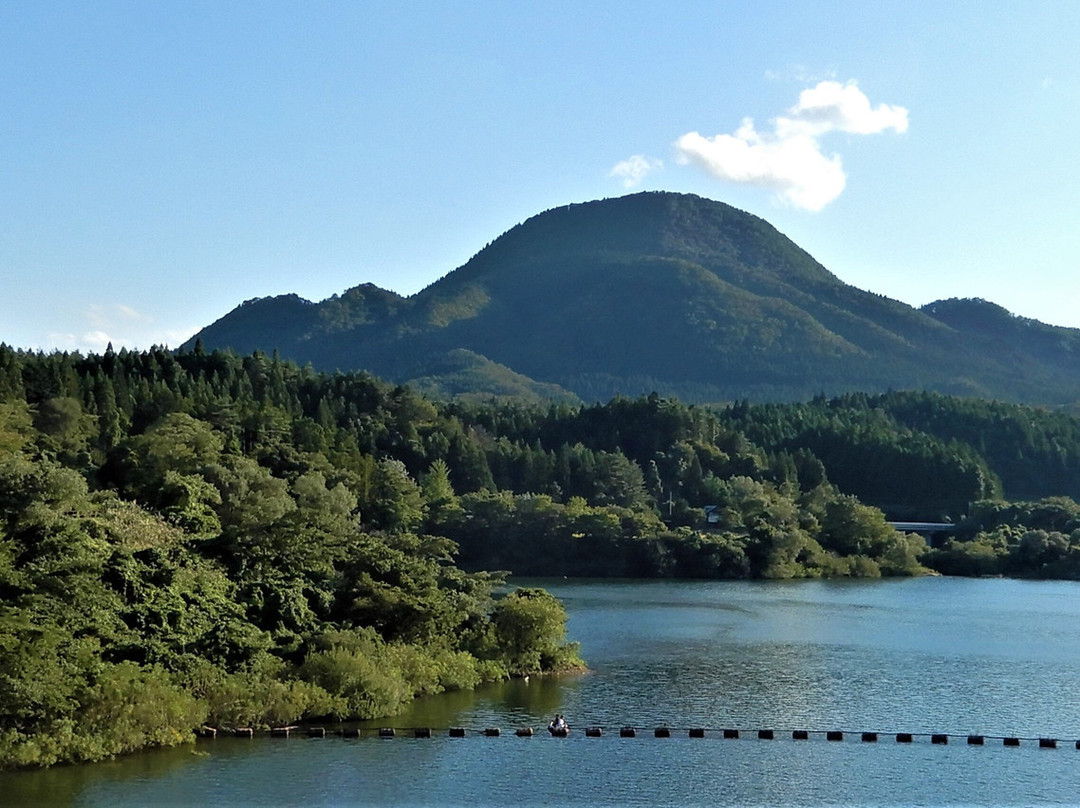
x: 181, y: 544
x: 203, y: 537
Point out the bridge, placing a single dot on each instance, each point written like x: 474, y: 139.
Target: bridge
x: 935, y: 533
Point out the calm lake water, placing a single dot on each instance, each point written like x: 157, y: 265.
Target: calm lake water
x: 931, y: 655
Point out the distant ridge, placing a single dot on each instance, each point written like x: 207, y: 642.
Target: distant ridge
x: 661, y: 292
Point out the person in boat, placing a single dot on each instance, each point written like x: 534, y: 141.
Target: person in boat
x: 558, y: 724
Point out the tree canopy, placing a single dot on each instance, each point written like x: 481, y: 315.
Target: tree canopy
x: 242, y: 541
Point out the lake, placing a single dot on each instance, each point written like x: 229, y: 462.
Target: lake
x: 922, y: 656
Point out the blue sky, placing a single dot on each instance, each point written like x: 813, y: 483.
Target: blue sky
x: 160, y: 162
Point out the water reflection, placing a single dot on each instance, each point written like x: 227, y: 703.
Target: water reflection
x: 516, y: 703
x: 64, y: 785
x: 922, y: 656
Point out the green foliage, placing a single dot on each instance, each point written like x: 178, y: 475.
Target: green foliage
x: 396, y: 501
x: 529, y: 628
x: 188, y: 539
x: 263, y: 693
x: 238, y: 540
x: 1020, y: 539
x: 866, y: 451
x: 16, y: 427
x: 368, y: 677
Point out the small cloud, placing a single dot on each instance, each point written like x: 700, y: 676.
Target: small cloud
x: 790, y: 160
x: 104, y: 316
x: 131, y: 314
x: 120, y: 325
x: 61, y: 341
x: 793, y: 167
x: 634, y: 169
x: 800, y: 74
x: 90, y: 342
x: 95, y: 341
x: 178, y: 336
x: 835, y: 107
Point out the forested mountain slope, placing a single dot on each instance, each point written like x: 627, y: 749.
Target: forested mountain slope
x: 666, y: 292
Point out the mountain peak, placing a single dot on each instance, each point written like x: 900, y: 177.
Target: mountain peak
x: 664, y: 292
x: 654, y: 223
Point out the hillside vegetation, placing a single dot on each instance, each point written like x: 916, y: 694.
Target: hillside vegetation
x: 661, y: 292
x: 206, y: 539
x: 203, y: 537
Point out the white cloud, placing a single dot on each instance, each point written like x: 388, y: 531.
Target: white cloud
x: 794, y: 167
x: 60, y: 341
x: 790, y: 160
x: 175, y: 337
x: 104, y: 316
x: 634, y: 169
x: 95, y: 341
x: 835, y: 107
x: 801, y: 74
x: 120, y: 325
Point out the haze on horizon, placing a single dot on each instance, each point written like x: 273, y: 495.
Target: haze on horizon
x: 160, y: 163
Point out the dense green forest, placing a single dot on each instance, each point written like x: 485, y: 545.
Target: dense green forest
x: 209, y: 539
x: 195, y: 537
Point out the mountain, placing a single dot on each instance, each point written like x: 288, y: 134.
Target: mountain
x: 658, y: 292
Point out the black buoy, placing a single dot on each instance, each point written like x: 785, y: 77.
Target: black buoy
x: 939, y: 738
x: 628, y: 732
x: 491, y: 732
x: 800, y: 735
x: 662, y: 732
x: 457, y: 732
x: 976, y: 740
x: 1010, y: 741
x: 422, y: 732
x: 869, y: 737
x: 386, y: 732
x: 731, y: 733
x: 903, y: 737
x: 593, y: 732
x: 834, y: 735
x: 316, y: 732
x: 765, y: 734
x: 1047, y: 743
x: 524, y: 732
x: 697, y: 732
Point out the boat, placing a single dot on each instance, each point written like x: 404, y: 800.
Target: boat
x: 559, y: 728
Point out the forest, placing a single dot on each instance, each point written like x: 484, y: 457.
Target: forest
x: 194, y: 537
x: 181, y: 545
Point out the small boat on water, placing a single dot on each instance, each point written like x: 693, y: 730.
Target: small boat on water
x: 558, y: 727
